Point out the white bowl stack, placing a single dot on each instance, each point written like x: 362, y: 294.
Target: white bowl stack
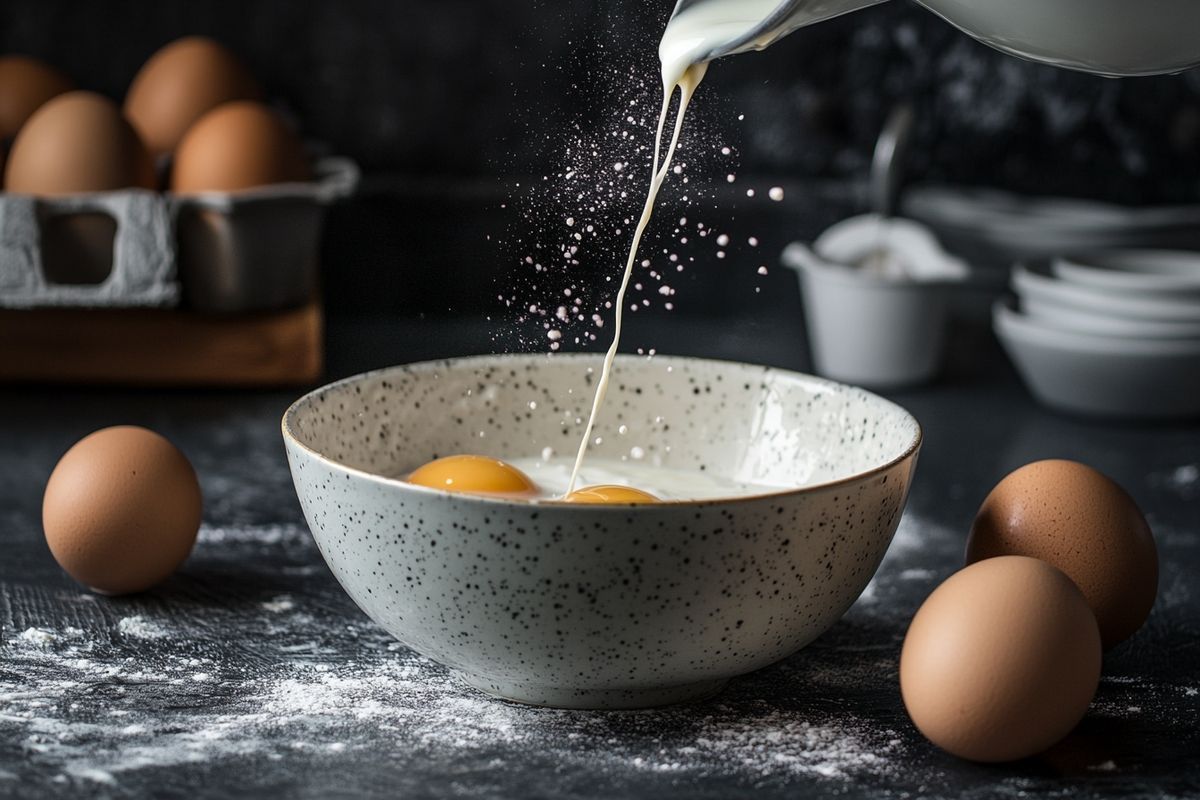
x: 1115, y: 334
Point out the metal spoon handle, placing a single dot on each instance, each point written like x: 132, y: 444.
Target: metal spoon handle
x: 889, y: 160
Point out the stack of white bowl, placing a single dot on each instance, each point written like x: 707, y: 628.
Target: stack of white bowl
x: 1114, y: 334
x: 989, y: 227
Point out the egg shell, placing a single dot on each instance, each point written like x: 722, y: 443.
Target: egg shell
x: 121, y: 510
x: 25, y: 85
x: 78, y: 142
x: 1082, y: 522
x: 235, y: 147
x: 181, y: 83
x: 1001, y: 661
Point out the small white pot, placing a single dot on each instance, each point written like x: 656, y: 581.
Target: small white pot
x: 882, y: 324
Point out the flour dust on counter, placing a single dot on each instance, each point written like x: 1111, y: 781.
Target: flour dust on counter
x: 140, y: 627
x: 108, y: 709
x: 255, y: 674
x: 123, y: 694
x: 312, y: 708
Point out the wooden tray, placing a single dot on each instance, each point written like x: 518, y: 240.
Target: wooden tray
x: 152, y: 347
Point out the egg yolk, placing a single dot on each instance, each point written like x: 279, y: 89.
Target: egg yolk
x: 474, y: 475
x: 610, y: 493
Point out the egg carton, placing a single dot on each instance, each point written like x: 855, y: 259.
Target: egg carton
x: 212, y: 252
x: 140, y: 250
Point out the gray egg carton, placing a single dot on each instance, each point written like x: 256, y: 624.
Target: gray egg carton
x: 214, y: 252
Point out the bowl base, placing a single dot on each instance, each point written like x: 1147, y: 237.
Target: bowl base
x: 596, y: 699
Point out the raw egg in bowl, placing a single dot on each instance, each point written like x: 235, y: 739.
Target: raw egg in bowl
x: 725, y: 515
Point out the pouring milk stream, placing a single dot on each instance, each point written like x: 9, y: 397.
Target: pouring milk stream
x: 687, y: 37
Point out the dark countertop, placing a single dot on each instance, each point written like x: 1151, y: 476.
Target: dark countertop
x: 250, y: 672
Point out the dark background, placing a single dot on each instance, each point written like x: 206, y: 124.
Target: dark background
x: 471, y: 87
x: 449, y: 104
x: 457, y: 110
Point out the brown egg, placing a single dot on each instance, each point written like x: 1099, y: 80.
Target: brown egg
x: 1082, y: 522
x: 238, y: 146
x: 1001, y: 661
x: 181, y: 83
x: 77, y: 142
x: 25, y: 84
x: 121, y: 510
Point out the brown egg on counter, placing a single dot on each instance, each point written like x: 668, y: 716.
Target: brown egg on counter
x: 121, y: 510
x: 1082, y: 522
x: 25, y: 85
x: 181, y: 83
x: 238, y: 146
x: 1001, y: 661
x: 77, y: 142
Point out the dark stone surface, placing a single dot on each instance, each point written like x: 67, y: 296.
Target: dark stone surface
x: 479, y: 86
x: 250, y: 673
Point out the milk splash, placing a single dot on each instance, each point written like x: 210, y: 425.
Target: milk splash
x: 689, y: 35
x: 686, y: 83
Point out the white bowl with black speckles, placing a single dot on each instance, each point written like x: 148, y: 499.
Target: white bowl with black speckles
x: 602, y: 606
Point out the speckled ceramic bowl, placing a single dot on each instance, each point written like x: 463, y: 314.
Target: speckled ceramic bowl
x: 602, y: 606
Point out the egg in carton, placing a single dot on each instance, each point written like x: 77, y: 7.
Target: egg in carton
x: 258, y: 248
x: 250, y: 250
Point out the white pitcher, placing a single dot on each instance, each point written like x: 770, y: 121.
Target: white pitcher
x: 1106, y: 37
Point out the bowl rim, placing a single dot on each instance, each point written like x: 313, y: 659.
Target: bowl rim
x: 1051, y: 313
x: 975, y: 206
x: 1032, y: 277
x: 1145, y: 271
x: 290, y: 437
x: 1010, y: 323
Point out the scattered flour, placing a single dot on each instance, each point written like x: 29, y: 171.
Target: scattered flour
x: 279, y: 604
x: 91, y: 774
x: 38, y: 637
x: 89, y: 709
x: 254, y: 534
x: 141, y: 628
x: 75, y: 705
x: 1184, y: 480
x: 1184, y: 477
x: 435, y: 712
x: 917, y: 575
x: 915, y: 538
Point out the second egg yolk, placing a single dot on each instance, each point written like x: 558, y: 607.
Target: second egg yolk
x: 474, y: 475
x: 610, y: 494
